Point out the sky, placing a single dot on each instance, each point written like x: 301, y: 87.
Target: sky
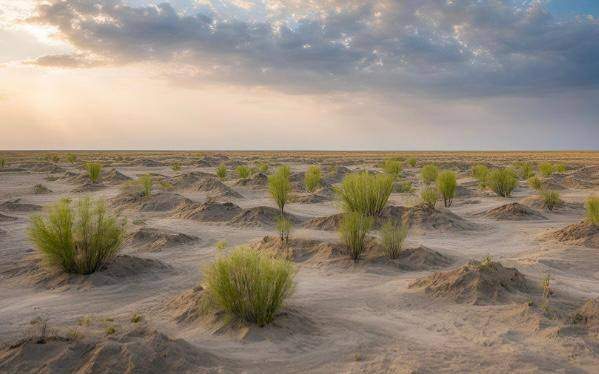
x: 304, y: 75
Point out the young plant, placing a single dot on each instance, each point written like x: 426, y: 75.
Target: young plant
x: 71, y: 158
x: 446, y: 186
x: 392, y: 238
x: 393, y: 168
x: 412, y: 162
x: 249, y: 285
x: 592, y: 208
x: 429, y: 196
x: 480, y: 173
x: 546, y: 169
x: 560, y: 168
x: 78, y: 238
x: 146, y: 183
x: 502, y: 181
x: 93, y: 171
x: 353, y: 230
x: 284, y: 228
x: 280, y: 187
x: 312, y: 178
x: 243, y: 171
x: 176, y: 166
x: 551, y: 199
x: 221, y: 172
x: 365, y: 193
x: 428, y: 174
x: 535, y: 183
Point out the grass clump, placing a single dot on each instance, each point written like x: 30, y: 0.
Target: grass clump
x: 2, y: 163
x: 71, y: 158
x: 392, y: 238
x: 546, y: 169
x: 551, y: 199
x: 365, y: 193
x: 80, y: 238
x: 284, y: 228
x: 403, y: 186
x: 263, y: 167
x: 502, y: 181
x: 480, y: 173
x: 411, y: 161
x: 446, y: 186
x: 280, y: 187
x: 312, y: 178
x: 145, y: 181
x: 93, y: 171
x: 429, y: 196
x: 524, y: 170
x: 176, y: 166
x: 428, y: 174
x: 592, y: 208
x: 535, y: 183
x: 560, y: 168
x: 221, y: 172
x: 249, y: 285
x: 393, y: 168
x: 243, y: 171
x: 353, y: 230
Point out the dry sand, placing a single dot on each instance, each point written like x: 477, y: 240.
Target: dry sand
x: 436, y: 309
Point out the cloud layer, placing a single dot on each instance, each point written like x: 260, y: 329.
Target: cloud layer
x: 459, y: 48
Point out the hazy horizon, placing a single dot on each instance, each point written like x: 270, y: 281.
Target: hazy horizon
x: 380, y: 75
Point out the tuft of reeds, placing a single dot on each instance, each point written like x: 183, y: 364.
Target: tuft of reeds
x: 524, y: 170
x: 551, y: 199
x: 79, y: 238
x: 560, y: 168
x: 403, y: 186
x: 2, y: 163
x: 592, y: 209
x: 93, y: 171
x: 280, y: 187
x: 243, y: 171
x: 393, y: 236
x: 393, y: 168
x: 145, y: 181
x: 365, y: 193
x: 284, y: 228
x: 502, y: 181
x: 480, y: 173
x: 446, y: 186
x: 71, y: 158
x: 353, y: 230
x: 546, y: 169
x: 263, y: 167
x: 312, y: 178
x: 411, y: 161
x: 428, y: 174
x: 535, y: 183
x: 221, y: 172
x: 429, y: 196
x: 249, y: 285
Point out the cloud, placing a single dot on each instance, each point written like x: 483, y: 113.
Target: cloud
x: 68, y: 61
x: 459, y: 48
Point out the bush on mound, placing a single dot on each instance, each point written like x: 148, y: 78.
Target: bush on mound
x: 502, y: 181
x: 80, y: 237
x: 249, y: 285
x: 365, y: 193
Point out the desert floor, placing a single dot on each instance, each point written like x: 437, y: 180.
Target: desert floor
x: 371, y: 317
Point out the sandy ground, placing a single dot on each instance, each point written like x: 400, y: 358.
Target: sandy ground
x: 342, y: 317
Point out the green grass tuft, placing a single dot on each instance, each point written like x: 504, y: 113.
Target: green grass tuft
x: 312, y: 178
x: 145, y: 182
x: 535, y: 183
x: 284, y: 228
x: 280, y: 187
x: 429, y: 196
x: 592, y: 208
x: 551, y: 199
x: 243, y: 171
x: 428, y: 174
x: 480, y: 173
x: 221, y: 172
x: 353, y: 230
x: 446, y: 186
x: 71, y: 158
x: 392, y: 238
x: 411, y: 161
x: 365, y: 193
x: 502, y: 181
x: 176, y: 166
x: 393, y: 168
x: 546, y: 169
x: 2, y: 163
x: 93, y: 171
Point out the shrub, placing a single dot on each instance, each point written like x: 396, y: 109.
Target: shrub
x: 392, y: 237
x: 145, y: 182
x: 284, y: 228
x: 2, y: 163
x: 221, y: 171
x: 502, y: 181
x: 71, y: 158
x: 429, y: 196
x: 592, y: 207
x: 249, y: 285
x: 284, y: 170
x: 365, y: 193
x: 93, y: 171
x: 80, y: 238
x: 446, y: 186
x: 535, y: 183
x: 411, y: 161
x: 403, y: 186
x: 243, y: 171
x: 429, y: 173
x: 480, y: 173
x: 353, y: 229
x: 524, y: 170
x: 166, y: 185
x: 176, y: 166
x: 546, y: 169
x: 263, y: 167
x: 312, y: 178
x: 551, y: 199
x: 560, y: 168
x: 393, y: 168
x: 279, y: 187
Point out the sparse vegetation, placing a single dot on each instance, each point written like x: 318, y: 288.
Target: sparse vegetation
x: 71, y: 158
x: 243, y: 171
x: 393, y: 168
x: 560, y: 168
x: 524, y: 170
x: 502, y: 181
x: 93, y: 171
x: 176, y: 166
x: 284, y: 228
x: 365, y: 193
x: 535, y: 183
x: 136, y: 318
x: 592, y: 208
x: 263, y: 167
x: 403, y: 186
x: 392, y: 238
x: 221, y: 245
x: 249, y: 285
x: 312, y: 178
x: 79, y: 238
x: 280, y: 187
x: 446, y: 186
x: 429, y: 196
x: 428, y: 174
x: 480, y: 173
x: 485, y: 263
x: 221, y: 172
x: 411, y: 161
x: 551, y: 199
x: 546, y: 169
x: 2, y: 163
x: 146, y: 183
x: 353, y: 230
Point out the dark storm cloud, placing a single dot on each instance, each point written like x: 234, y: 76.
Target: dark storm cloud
x: 428, y: 47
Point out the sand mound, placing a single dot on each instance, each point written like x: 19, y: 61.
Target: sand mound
x: 476, y: 283
x: 217, y: 188
x: 210, y: 211
x: 581, y: 233
x: 164, y: 202
x: 328, y: 223
x: 5, y: 218
x: 89, y: 187
x: 153, y: 239
x: 44, y: 167
x: 187, y: 306
x: 189, y: 180
x: 586, y: 177
x: 139, y: 350
x: 553, y: 183
x: 114, y: 177
x: 422, y: 258
x: 335, y: 174
x: 258, y: 180
x: 32, y: 271
x: 588, y: 315
x: 149, y: 163
x: 537, y: 202
x: 18, y: 207
x: 513, y: 212
x: 261, y: 216
x: 308, y: 198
